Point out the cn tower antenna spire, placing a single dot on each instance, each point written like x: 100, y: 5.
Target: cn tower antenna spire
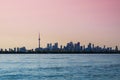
x: 39, y: 41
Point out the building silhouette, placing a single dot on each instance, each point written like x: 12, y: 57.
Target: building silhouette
x: 39, y: 49
x: 70, y: 47
x: 39, y: 41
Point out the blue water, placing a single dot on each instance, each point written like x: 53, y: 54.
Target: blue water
x: 59, y: 67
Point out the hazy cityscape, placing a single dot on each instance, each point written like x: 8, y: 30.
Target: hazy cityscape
x: 59, y: 40
x: 70, y: 47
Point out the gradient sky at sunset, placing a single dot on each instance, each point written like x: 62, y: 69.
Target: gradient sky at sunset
x: 95, y: 21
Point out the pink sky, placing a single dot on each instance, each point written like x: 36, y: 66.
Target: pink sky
x: 96, y: 21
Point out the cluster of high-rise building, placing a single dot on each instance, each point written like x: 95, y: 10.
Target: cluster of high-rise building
x: 75, y: 47
x: 68, y: 48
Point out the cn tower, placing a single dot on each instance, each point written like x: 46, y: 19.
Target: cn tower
x: 39, y: 41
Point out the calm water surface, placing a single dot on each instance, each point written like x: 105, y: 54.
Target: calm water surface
x: 59, y: 66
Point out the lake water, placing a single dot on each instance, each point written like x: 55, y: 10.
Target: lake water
x: 59, y: 66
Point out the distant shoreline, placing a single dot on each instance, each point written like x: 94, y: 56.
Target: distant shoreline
x: 60, y: 53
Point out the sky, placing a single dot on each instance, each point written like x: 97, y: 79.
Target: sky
x: 62, y: 21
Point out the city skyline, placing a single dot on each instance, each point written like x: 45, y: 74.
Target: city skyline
x: 69, y: 47
x: 62, y: 21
